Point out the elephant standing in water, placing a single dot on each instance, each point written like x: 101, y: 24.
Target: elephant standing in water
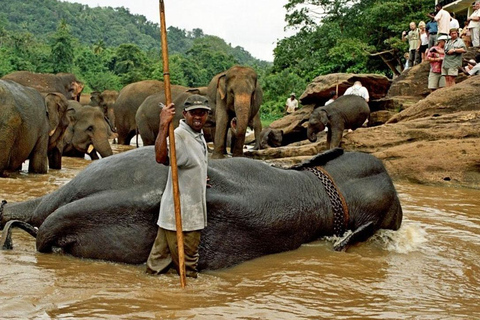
x: 64, y: 83
x: 235, y: 93
x: 88, y: 132
x: 31, y: 127
x: 147, y: 117
x: 125, y: 108
x: 250, y: 212
x: 346, y: 112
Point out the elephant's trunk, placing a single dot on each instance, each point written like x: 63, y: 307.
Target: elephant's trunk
x: 103, y: 147
x: 311, y: 134
x: 242, y: 113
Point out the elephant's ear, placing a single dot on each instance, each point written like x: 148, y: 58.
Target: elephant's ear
x: 56, y: 105
x: 71, y: 115
x: 222, y: 86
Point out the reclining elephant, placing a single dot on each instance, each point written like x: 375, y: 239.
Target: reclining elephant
x: 31, y: 127
x: 109, y: 210
x: 346, y: 112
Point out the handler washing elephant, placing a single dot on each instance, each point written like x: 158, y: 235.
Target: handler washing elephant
x: 235, y: 93
x: 88, y: 132
x: 64, y: 83
x: 346, y: 112
x: 250, y: 213
x: 31, y: 127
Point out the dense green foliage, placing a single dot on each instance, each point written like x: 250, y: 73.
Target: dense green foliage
x: 108, y: 48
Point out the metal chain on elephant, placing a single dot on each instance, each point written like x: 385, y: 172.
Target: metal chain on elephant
x: 339, y: 205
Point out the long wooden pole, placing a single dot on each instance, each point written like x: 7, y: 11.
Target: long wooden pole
x: 173, y: 155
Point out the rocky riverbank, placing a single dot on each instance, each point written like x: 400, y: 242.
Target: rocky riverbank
x: 421, y: 137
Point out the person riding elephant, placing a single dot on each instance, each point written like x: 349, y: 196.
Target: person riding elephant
x: 31, y: 126
x: 125, y: 107
x: 148, y: 112
x: 88, y: 132
x: 64, y: 83
x: 346, y: 112
x: 250, y: 212
x: 235, y: 93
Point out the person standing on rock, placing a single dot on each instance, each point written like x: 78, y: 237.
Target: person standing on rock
x: 454, y: 50
x: 359, y: 90
x: 413, y: 38
x: 443, y: 19
x: 292, y: 104
x: 432, y: 29
x: 435, y: 56
x: 474, y: 25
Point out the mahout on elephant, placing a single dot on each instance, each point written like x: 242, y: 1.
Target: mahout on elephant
x: 88, y: 132
x: 236, y: 93
x: 125, y: 107
x: 346, y: 112
x: 109, y: 210
x: 147, y: 117
x: 64, y: 83
x: 31, y: 127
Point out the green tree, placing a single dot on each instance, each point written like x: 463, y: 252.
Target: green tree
x: 62, y: 54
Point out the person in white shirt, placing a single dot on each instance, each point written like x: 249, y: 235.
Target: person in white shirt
x: 454, y: 22
x: 292, y: 104
x: 474, y: 24
x: 359, y: 90
x: 443, y: 19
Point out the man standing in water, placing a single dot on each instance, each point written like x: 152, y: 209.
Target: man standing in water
x: 192, y: 154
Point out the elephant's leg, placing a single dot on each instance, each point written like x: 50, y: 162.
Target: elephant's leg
x: 336, y: 135
x: 6, y: 238
x: 329, y: 137
x: 361, y: 234
x: 221, y: 117
x: 55, y: 159
x: 112, y: 226
x: 9, y: 130
x: 257, y: 128
x: 39, y: 159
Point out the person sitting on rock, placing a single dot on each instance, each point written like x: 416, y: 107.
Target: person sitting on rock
x: 473, y: 66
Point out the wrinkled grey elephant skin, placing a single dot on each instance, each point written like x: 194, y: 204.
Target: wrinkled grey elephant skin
x: 109, y: 210
x: 347, y: 112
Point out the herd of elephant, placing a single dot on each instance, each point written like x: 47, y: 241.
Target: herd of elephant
x: 43, y: 117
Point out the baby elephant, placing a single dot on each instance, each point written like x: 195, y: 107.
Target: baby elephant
x: 271, y: 138
x: 347, y: 112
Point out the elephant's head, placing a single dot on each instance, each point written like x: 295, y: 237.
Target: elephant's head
x: 58, y: 121
x: 242, y: 97
x: 105, y: 100
x: 88, y: 129
x: 271, y: 138
x: 316, y: 123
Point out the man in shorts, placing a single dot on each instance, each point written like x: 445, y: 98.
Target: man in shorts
x: 454, y: 50
x: 435, y: 56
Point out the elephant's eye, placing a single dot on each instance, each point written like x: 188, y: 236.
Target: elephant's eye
x: 90, y: 128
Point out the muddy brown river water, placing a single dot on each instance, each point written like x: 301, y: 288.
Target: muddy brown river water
x: 429, y: 269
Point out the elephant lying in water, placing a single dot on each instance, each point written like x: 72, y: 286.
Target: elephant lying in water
x: 109, y: 210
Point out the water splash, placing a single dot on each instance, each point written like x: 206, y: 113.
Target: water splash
x: 408, y: 238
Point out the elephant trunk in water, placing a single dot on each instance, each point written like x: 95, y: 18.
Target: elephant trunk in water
x: 242, y: 111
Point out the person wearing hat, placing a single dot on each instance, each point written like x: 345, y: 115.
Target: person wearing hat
x: 191, y: 150
x: 454, y: 50
x: 292, y: 104
x: 474, y: 24
x: 435, y: 56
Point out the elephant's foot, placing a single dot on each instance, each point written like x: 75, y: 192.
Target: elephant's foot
x: 6, y: 239
x: 216, y: 155
x: 361, y: 234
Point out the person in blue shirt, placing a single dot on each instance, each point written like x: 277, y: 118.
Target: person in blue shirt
x: 432, y: 30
